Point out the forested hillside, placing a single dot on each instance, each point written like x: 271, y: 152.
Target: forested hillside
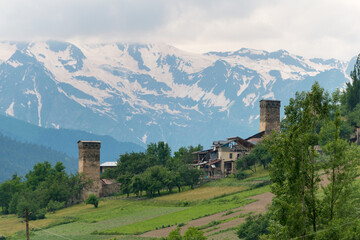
x: 18, y: 157
x: 63, y: 140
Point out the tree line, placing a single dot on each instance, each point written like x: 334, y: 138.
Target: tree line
x: 155, y: 170
x: 314, y: 169
x: 46, y: 188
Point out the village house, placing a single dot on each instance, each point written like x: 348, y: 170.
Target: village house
x: 107, y: 165
x: 219, y: 161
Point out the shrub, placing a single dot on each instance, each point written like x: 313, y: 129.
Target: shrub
x: 54, y: 205
x: 254, y: 227
x: 241, y: 175
x: 261, y: 184
x: 185, y: 203
x: 175, y: 234
x: 92, y: 199
x: 192, y: 233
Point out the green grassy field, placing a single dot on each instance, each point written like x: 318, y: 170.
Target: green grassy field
x: 125, y: 218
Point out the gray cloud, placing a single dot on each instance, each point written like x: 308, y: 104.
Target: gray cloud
x: 322, y: 28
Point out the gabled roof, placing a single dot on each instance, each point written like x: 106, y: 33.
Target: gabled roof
x: 257, y: 135
x: 203, y: 151
x: 221, y: 142
x: 108, y: 181
x: 242, y: 142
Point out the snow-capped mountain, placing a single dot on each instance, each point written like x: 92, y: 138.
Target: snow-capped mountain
x: 151, y: 92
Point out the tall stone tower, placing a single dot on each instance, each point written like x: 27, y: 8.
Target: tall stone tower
x: 89, y: 166
x: 269, y: 116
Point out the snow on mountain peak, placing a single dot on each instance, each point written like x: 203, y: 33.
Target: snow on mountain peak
x: 147, y: 92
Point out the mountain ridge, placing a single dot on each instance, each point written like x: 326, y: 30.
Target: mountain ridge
x: 150, y: 92
x: 63, y: 141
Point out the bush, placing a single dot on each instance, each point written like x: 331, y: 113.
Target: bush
x: 54, y: 205
x: 241, y: 175
x: 92, y: 199
x: 261, y: 184
x: 175, y: 234
x: 192, y: 233
x: 254, y: 227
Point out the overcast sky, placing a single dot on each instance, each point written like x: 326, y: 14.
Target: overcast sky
x: 310, y: 28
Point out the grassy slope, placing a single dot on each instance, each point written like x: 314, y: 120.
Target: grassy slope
x: 122, y: 216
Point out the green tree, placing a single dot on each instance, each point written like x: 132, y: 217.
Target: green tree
x: 247, y: 162
x: 193, y: 233
x: 263, y: 156
x: 6, y: 193
x: 132, y: 163
x: 189, y: 176
x: 138, y: 184
x: 258, y: 155
x: 92, y: 199
x: 254, y: 227
x: 185, y: 154
x: 52, y: 206
x: 175, y: 234
x: 156, y: 178
x: 351, y: 97
x: 126, y: 182
x: 293, y: 171
x: 158, y: 154
x: 341, y: 170
x: 45, y: 187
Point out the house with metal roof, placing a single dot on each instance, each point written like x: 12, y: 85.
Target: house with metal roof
x: 220, y: 160
x: 107, y: 165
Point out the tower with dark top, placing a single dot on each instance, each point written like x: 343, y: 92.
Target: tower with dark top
x: 89, y: 166
x: 269, y: 116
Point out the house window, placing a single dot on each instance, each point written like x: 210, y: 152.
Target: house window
x: 238, y: 155
x: 230, y: 155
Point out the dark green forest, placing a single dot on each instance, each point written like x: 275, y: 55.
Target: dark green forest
x: 63, y: 140
x: 18, y: 157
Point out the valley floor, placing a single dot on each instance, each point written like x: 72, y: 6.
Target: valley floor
x: 216, y: 208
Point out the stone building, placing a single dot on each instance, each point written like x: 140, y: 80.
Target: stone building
x: 269, y: 116
x: 219, y: 161
x: 89, y: 168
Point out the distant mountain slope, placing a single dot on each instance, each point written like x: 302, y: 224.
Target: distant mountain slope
x: 63, y: 140
x: 17, y: 157
x: 144, y: 93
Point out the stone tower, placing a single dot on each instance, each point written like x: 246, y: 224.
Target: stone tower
x: 269, y: 116
x: 89, y: 166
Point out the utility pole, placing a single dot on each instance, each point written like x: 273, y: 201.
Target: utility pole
x: 27, y: 223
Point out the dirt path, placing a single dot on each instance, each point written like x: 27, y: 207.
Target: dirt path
x: 260, y: 206
x: 257, y: 207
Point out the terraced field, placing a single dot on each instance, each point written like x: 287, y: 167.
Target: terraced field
x: 216, y: 208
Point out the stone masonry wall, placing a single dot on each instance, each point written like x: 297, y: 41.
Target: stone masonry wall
x: 89, y: 166
x: 269, y: 116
